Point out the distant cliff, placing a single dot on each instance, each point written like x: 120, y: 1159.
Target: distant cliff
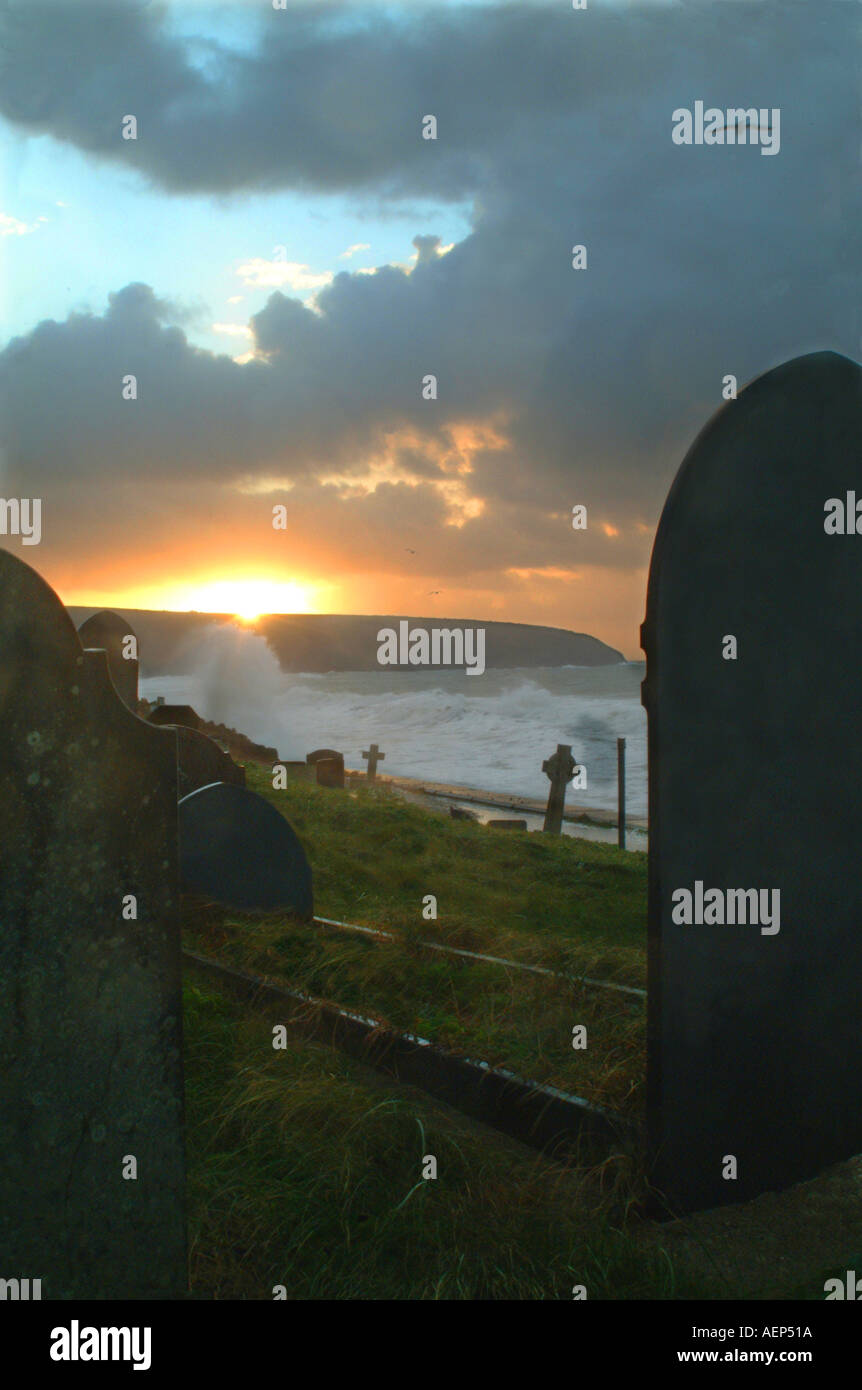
x: 340, y: 642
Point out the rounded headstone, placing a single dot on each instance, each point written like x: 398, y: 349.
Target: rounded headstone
x: 90, y: 1002
x: 110, y: 633
x: 753, y: 638
x: 324, y: 754
x: 237, y: 849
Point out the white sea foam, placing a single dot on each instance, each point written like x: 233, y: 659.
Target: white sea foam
x: 492, y: 733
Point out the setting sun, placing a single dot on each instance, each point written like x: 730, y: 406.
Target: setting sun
x: 249, y: 598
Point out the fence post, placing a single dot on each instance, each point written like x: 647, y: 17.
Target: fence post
x: 621, y: 793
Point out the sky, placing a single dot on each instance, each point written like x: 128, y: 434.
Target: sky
x: 280, y: 259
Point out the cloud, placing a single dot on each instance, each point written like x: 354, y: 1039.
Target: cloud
x: 263, y: 274
x: 555, y: 386
x: 352, y: 250
x: 236, y: 330
x: 13, y: 226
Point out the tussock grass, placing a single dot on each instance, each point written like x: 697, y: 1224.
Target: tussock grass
x: 304, y: 1171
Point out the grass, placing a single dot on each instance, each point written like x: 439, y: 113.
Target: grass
x: 304, y: 1172
x: 305, y: 1169
x: 575, y: 906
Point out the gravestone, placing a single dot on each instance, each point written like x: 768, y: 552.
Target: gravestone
x: 753, y: 638
x: 560, y: 768
x: 90, y: 1011
x: 200, y: 761
x: 332, y: 774
x: 506, y: 824
x: 236, y: 849
x: 110, y: 633
x: 174, y: 714
x: 374, y: 757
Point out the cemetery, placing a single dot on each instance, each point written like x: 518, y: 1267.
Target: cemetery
x: 242, y: 1003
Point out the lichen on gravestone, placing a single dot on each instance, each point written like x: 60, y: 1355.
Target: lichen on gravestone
x: 90, y: 1006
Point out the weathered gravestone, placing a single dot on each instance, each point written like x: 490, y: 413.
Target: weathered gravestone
x: 329, y: 766
x: 175, y: 714
x: 110, y: 633
x: 330, y: 772
x: 753, y: 637
x: 91, y: 1089
x: 236, y: 849
x: 200, y: 761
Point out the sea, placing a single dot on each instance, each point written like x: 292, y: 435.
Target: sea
x: 488, y: 733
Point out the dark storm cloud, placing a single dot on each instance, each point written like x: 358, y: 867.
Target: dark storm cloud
x: 332, y: 98
x: 702, y: 261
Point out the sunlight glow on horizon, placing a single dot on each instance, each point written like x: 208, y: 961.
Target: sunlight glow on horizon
x: 249, y: 598
x: 244, y: 596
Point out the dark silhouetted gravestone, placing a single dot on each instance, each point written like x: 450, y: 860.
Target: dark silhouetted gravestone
x: 110, y: 633
x: 90, y: 1021
x: 329, y: 766
x: 753, y: 638
x: 200, y: 761
x: 175, y: 714
x: 236, y: 849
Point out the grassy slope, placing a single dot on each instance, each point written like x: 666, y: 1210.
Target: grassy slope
x: 305, y: 1168
x: 569, y: 904
x: 305, y: 1172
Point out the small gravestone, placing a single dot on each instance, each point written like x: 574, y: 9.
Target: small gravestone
x: 460, y: 813
x: 329, y: 766
x: 175, y: 714
x: 91, y: 1087
x: 507, y: 824
x: 753, y: 637
x: 236, y: 849
x: 560, y: 768
x: 110, y: 633
x: 374, y: 757
x: 200, y: 762
x: 330, y: 772
x: 320, y: 753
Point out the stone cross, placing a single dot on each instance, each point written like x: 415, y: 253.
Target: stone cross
x: 752, y: 639
x: 374, y: 757
x: 560, y: 768
x: 91, y: 1084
